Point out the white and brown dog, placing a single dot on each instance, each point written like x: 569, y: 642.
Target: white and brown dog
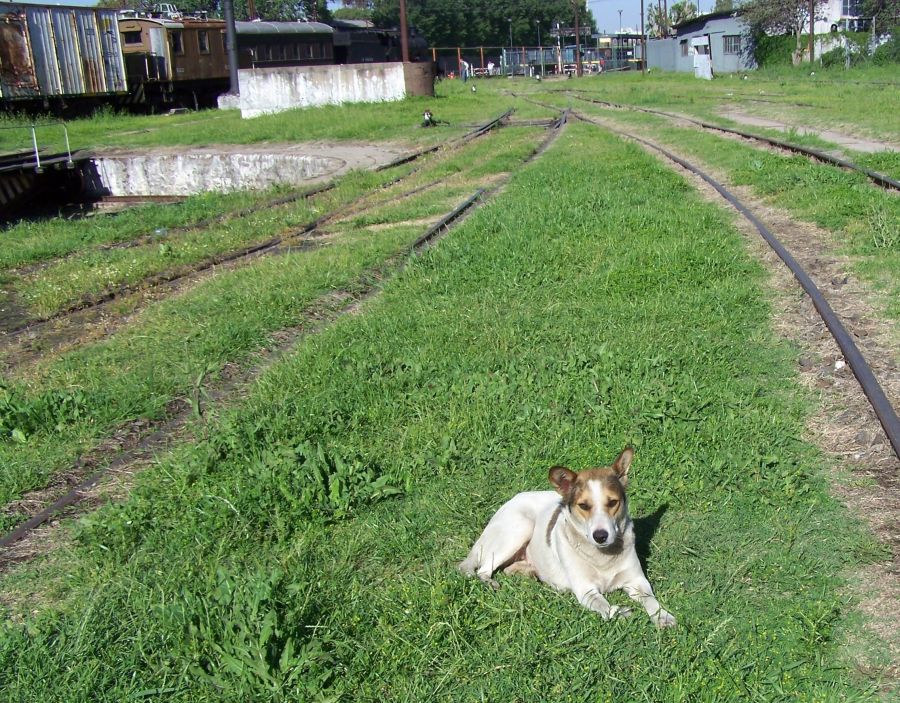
x: 583, y: 543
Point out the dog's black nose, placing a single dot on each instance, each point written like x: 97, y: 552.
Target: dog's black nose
x: 600, y: 536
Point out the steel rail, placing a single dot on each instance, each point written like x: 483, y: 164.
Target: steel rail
x: 877, y: 178
x: 885, y: 412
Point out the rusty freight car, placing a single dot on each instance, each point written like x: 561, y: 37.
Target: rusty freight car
x: 53, y: 55
x: 171, y: 61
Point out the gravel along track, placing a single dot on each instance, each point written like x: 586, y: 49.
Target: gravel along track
x: 136, y: 445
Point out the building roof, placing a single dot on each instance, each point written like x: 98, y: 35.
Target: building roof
x: 702, y: 19
x: 283, y: 28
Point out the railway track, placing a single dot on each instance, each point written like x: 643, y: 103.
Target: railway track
x: 245, y: 253
x: 884, y: 411
x: 878, y: 179
x: 144, y: 445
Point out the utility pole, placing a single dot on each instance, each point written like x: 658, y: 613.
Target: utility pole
x: 812, y: 29
x: 540, y: 46
x: 578, y: 41
x: 231, y: 48
x: 643, y: 43
x: 620, y: 21
x: 404, y: 35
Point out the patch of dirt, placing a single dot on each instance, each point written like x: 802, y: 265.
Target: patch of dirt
x: 845, y: 141
x: 843, y: 423
x: 422, y: 222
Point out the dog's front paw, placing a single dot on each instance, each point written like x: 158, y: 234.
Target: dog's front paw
x: 663, y: 619
x: 617, y: 611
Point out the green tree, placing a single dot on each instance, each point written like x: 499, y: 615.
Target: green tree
x: 660, y: 25
x: 475, y: 23
x: 352, y: 13
x: 781, y: 17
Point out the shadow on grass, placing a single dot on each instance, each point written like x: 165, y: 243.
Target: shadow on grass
x: 644, y: 529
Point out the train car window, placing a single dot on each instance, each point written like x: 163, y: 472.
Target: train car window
x: 177, y: 43
x: 203, y: 41
x: 132, y: 37
x: 295, y: 51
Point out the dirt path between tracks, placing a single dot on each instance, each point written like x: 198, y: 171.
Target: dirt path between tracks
x: 845, y: 141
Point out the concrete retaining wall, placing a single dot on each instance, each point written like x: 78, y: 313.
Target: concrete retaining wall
x: 268, y: 90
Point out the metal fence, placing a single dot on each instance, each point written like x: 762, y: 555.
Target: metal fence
x: 534, y: 61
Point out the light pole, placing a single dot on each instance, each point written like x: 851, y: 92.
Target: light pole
x: 619, y: 40
x: 511, y: 71
x: 540, y: 47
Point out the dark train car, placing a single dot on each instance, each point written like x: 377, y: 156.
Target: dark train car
x: 55, y: 55
x: 171, y: 61
x: 274, y: 44
x: 358, y: 41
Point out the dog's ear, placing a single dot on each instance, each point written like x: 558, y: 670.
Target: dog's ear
x: 562, y: 479
x: 622, y: 464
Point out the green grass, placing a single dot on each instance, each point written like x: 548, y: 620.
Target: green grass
x: 856, y: 103
x: 95, y: 270
x: 389, y: 121
x: 34, y: 241
x: 69, y: 403
x: 305, y: 550
x: 861, y: 216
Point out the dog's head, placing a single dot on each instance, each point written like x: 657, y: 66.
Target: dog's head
x: 595, y: 499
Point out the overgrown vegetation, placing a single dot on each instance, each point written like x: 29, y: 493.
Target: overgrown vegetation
x: 301, y: 546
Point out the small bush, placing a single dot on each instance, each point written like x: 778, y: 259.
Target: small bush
x: 889, y: 52
x: 773, y: 51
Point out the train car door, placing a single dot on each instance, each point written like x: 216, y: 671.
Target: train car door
x: 111, y: 48
x: 91, y: 58
x: 159, y: 53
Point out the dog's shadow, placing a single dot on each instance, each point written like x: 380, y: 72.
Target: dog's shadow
x: 644, y: 530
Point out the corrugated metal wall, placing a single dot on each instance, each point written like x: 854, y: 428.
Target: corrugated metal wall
x: 60, y: 51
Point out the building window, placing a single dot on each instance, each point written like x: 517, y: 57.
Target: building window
x: 731, y: 44
x: 177, y: 43
x: 850, y: 8
x: 132, y: 37
x: 684, y: 47
x: 203, y: 41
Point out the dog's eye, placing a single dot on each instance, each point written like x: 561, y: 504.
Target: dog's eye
x: 612, y: 503
x: 585, y: 506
